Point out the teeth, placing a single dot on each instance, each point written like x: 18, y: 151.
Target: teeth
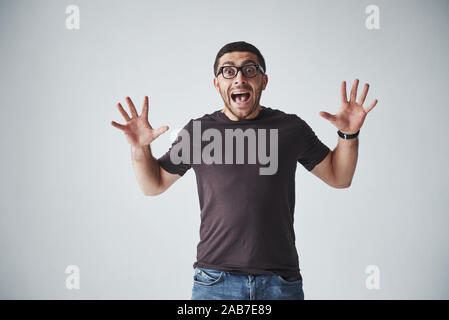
x: 234, y: 97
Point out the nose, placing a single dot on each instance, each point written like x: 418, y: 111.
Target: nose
x: 240, y: 78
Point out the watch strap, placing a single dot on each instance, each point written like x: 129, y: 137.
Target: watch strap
x: 348, y: 136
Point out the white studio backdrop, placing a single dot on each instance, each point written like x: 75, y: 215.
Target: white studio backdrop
x: 69, y: 196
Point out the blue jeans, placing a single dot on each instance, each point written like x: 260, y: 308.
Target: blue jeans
x: 210, y: 284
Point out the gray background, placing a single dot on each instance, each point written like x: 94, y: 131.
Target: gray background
x: 68, y: 191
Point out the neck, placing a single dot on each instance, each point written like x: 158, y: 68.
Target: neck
x: 233, y: 117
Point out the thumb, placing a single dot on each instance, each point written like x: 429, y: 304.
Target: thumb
x: 160, y: 131
x: 327, y: 116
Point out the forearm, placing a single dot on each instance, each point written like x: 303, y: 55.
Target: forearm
x: 344, y: 160
x: 146, y: 169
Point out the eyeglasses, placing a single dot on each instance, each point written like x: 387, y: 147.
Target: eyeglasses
x: 249, y: 71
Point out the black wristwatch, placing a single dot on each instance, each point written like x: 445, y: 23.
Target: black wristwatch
x: 348, y: 136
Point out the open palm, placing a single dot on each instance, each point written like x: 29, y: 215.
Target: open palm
x: 138, y: 130
x: 352, y: 114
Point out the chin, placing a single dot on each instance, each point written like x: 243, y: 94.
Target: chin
x: 240, y: 111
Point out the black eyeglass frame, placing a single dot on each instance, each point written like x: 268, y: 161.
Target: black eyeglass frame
x: 258, y: 67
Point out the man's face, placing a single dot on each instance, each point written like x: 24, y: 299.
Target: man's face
x: 245, y: 104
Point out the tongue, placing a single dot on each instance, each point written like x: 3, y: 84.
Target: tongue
x: 242, y: 97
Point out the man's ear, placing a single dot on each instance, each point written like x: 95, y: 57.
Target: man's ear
x: 216, y: 84
x: 265, y: 81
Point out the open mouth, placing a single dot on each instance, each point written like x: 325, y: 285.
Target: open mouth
x: 241, y: 97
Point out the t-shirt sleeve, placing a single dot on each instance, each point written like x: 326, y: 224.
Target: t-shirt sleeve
x: 166, y: 162
x: 311, y: 150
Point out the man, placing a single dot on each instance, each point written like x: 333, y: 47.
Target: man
x: 247, y: 241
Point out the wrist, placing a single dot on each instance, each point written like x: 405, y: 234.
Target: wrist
x: 348, y: 135
x: 140, y: 152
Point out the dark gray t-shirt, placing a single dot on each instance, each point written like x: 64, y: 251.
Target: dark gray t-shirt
x: 247, y: 217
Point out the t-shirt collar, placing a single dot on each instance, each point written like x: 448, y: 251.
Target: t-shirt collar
x: 224, y: 117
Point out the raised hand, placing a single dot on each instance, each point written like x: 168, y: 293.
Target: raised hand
x: 351, y: 116
x: 137, y: 129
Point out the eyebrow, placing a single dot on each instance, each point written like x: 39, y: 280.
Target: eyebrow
x: 243, y: 63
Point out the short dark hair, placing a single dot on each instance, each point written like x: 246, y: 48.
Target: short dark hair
x: 239, y: 46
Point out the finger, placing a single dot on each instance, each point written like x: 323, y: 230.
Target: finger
x: 354, y: 90
x: 328, y: 116
x: 118, y: 125
x: 123, y: 112
x: 364, y: 93
x: 145, y: 107
x: 344, y: 97
x: 132, y: 108
x: 371, y: 106
x: 160, y: 131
